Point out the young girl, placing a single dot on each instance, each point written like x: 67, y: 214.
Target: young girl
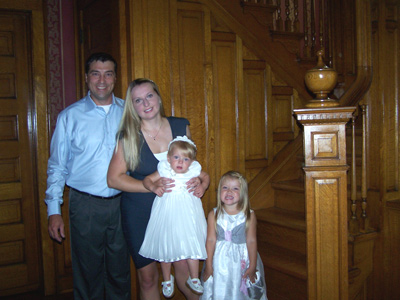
x: 233, y: 269
x: 177, y: 227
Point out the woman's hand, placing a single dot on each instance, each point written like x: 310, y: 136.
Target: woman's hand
x: 163, y: 185
x: 194, y: 185
x: 198, y: 185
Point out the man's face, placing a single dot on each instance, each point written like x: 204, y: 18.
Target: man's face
x: 100, y: 80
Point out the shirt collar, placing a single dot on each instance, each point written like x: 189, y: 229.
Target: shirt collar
x: 90, y: 103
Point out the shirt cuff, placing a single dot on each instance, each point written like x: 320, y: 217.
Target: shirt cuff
x: 53, y: 208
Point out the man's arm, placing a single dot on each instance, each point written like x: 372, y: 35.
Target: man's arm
x: 56, y: 174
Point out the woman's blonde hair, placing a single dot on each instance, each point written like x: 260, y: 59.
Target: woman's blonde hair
x: 243, y: 204
x: 130, y: 125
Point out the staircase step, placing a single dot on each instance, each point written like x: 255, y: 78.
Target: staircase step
x: 282, y: 228
x: 289, y: 195
x: 285, y: 261
x: 286, y: 273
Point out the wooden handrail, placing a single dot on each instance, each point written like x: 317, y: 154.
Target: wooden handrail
x: 364, y: 61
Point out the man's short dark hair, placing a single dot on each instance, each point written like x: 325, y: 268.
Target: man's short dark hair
x: 100, y: 56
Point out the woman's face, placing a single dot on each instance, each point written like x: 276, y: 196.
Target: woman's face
x: 146, y: 101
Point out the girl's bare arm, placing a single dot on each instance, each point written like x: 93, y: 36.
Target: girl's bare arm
x: 210, y: 245
x: 251, y: 242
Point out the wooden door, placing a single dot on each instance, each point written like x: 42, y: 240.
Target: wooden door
x: 19, y: 247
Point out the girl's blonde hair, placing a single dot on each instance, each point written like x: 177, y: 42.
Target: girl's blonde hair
x: 187, y: 149
x: 243, y: 204
x: 130, y: 125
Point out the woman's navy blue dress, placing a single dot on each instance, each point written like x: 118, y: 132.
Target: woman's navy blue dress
x: 136, y: 207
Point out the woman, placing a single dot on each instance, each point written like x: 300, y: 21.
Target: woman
x: 144, y: 135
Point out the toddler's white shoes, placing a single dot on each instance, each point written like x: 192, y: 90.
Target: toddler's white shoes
x: 195, y: 285
x: 168, y: 287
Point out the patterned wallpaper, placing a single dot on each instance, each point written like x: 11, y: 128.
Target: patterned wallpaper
x: 61, y: 57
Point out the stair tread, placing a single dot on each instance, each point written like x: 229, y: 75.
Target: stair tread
x: 282, y: 217
x: 285, y: 261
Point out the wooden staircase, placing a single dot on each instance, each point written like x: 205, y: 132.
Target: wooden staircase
x: 282, y: 230
x: 282, y: 246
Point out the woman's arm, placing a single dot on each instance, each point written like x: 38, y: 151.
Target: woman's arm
x: 251, y: 242
x: 210, y: 245
x: 152, y: 183
x: 200, y: 188
x: 117, y: 176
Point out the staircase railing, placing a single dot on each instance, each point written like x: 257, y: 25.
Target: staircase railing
x: 359, y: 222
x: 305, y: 20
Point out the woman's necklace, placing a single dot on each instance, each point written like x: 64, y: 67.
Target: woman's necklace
x: 153, y: 137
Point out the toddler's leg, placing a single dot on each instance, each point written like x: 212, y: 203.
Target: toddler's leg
x: 168, y: 283
x: 193, y: 281
x: 193, y: 268
x: 166, y: 270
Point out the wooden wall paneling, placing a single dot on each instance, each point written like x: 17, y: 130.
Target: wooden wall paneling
x: 124, y: 70
x: 137, y: 39
x: 388, y: 85
x: 382, y: 146
x: 256, y: 129
x: 195, y: 80
x: 242, y: 111
x: 156, y: 46
x: 191, y: 46
x: 99, y: 32
x: 42, y: 143
x: 283, y: 122
x: 226, y: 103
x: 374, y: 120
x: 174, y: 56
x: 392, y: 246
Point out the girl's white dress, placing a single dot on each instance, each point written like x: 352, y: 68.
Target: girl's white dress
x: 230, y: 261
x: 177, y: 228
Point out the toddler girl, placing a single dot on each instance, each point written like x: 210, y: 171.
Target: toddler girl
x: 177, y: 227
x: 233, y: 269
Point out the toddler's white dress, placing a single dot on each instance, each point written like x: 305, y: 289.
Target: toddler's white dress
x: 177, y: 228
x: 230, y: 261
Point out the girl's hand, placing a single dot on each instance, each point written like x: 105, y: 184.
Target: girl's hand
x: 207, y: 273
x: 251, y: 274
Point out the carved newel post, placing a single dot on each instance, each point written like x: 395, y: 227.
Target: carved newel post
x: 326, y: 186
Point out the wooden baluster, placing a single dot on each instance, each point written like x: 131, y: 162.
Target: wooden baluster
x: 279, y: 21
x: 296, y: 22
x: 288, y: 21
x: 306, y: 32
x: 364, y: 216
x: 312, y: 16
x: 353, y: 226
x: 321, y: 25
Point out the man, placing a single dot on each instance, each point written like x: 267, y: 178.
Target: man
x: 81, y: 150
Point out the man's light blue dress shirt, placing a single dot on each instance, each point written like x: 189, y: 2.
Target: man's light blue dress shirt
x: 81, y: 149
